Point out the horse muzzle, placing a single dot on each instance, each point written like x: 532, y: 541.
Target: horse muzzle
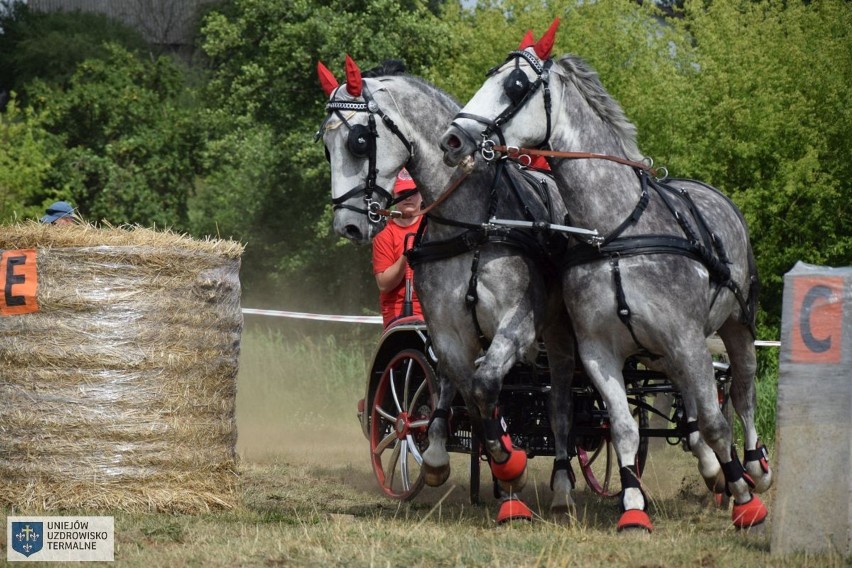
x: 457, y: 145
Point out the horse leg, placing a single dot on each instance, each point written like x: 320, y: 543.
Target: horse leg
x: 740, y: 347
x: 708, y: 463
x: 508, y: 464
x: 748, y: 509
x: 436, y: 460
x: 605, y: 372
x: 559, y: 340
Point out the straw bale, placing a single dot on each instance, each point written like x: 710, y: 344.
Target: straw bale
x: 119, y: 392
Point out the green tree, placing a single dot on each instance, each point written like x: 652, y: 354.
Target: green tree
x: 27, y: 152
x: 770, y: 117
x: 131, y: 142
x: 49, y: 46
x: 263, y: 55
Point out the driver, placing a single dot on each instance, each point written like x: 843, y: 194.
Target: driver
x: 389, y: 264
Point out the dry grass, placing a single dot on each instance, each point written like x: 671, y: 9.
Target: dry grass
x: 118, y: 393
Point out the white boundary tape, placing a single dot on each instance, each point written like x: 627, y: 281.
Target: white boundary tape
x: 318, y: 317
x: 378, y: 320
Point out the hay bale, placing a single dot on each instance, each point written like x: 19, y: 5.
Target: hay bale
x: 118, y: 393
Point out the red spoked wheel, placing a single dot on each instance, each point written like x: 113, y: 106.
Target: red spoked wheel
x: 399, y: 419
x: 598, y: 460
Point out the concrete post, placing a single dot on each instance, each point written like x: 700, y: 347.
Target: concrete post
x: 812, y: 510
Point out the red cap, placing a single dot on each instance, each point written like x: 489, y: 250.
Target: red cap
x: 403, y: 182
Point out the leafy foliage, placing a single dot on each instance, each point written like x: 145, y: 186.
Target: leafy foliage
x: 263, y: 55
x: 49, y: 46
x: 130, y: 147
x: 26, y: 155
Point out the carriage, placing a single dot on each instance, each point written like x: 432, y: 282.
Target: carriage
x: 401, y: 390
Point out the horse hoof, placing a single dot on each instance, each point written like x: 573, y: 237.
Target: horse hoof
x: 435, y: 476
x: 635, y: 519
x: 563, y: 512
x: 722, y: 500
x: 762, y: 481
x: 749, y: 514
x: 513, y: 485
x: 513, y: 510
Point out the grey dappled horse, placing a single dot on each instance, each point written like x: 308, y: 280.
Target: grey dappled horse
x: 374, y: 127
x: 672, y: 266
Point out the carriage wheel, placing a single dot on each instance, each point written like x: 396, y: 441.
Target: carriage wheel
x: 599, y: 462
x: 399, y: 420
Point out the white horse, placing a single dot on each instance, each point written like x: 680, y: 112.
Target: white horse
x: 672, y: 266
x: 485, y: 292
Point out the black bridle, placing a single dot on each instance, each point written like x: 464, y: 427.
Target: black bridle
x: 361, y: 143
x: 519, y: 89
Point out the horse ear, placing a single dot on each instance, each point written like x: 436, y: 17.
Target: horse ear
x: 326, y: 79
x: 545, y: 44
x: 528, y: 41
x: 353, y: 77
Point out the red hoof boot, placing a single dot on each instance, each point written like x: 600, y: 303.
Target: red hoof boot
x: 635, y: 519
x: 513, y: 510
x: 749, y: 514
x: 512, y: 468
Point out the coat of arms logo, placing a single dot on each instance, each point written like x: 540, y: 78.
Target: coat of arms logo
x: 27, y: 537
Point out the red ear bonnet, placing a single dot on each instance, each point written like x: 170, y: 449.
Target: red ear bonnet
x: 326, y: 79
x: 353, y: 78
x: 545, y: 44
x: 528, y: 41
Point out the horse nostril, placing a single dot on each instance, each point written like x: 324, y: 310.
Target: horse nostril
x: 352, y: 232
x: 453, y: 142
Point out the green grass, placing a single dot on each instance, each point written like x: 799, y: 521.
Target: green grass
x: 309, y: 497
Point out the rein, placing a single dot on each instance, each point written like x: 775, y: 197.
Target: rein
x: 451, y: 187
x: 515, y: 153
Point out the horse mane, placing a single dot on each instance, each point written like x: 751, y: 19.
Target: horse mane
x: 387, y: 67
x: 588, y: 83
x: 396, y: 68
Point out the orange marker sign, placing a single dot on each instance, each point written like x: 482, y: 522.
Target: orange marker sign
x: 817, y: 319
x: 18, y: 282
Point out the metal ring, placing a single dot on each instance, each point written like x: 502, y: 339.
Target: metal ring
x: 373, y: 211
x: 487, y: 150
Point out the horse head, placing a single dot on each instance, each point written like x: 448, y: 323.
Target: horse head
x: 362, y: 173
x: 512, y: 105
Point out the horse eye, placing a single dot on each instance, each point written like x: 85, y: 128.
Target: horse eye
x: 516, y: 86
x: 358, y: 141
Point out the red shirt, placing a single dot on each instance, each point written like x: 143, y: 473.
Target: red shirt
x: 388, y: 246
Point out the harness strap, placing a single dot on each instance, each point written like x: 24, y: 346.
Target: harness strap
x: 623, y: 309
x: 471, y: 298
x: 563, y: 465
x: 438, y: 413
x: 635, y: 215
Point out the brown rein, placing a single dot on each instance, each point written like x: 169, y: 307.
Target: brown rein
x: 466, y: 167
x: 514, y: 152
